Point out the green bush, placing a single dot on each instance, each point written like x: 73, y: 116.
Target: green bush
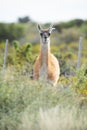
x: 81, y: 84
x: 69, y: 24
x: 84, y: 30
x: 16, y: 45
x: 70, y: 35
x: 11, y: 31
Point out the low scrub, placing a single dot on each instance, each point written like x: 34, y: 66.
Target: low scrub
x: 27, y: 104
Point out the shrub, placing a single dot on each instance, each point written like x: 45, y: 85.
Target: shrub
x: 84, y: 30
x: 70, y: 35
x: 11, y: 31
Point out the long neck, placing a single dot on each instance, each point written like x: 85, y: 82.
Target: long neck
x: 44, y: 52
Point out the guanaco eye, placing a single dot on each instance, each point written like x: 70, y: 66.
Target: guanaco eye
x: 41, y: 34
x: 48, y: 34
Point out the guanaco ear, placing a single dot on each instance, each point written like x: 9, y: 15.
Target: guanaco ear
x: 51, y: 28
x: 39, y: 28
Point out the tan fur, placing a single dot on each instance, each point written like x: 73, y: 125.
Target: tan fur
x: 46, y: 66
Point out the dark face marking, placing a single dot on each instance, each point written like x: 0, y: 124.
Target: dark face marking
x: 45, y: 34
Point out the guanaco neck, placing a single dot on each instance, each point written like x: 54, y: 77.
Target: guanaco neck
x: 44, y: 52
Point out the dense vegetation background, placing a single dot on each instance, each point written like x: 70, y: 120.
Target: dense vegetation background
x: 26, y: 104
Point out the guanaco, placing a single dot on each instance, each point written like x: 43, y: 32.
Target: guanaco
x: 46, y: 66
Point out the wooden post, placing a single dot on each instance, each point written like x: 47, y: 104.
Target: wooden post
x: 79, y: 52
x: 5, y: 54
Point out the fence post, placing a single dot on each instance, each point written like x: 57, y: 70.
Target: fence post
x: 5, y: 54
x: 79, y: 52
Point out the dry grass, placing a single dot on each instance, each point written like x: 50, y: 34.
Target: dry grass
x: 29, y: 105
x: 56, y: 119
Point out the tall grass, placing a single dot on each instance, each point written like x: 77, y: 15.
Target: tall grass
x: 26, y: 104
x: 62, y: 118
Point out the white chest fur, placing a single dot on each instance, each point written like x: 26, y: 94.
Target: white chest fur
x: 43, y: 72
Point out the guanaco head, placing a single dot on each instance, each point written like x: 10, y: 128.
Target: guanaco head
x: 45, y: 34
